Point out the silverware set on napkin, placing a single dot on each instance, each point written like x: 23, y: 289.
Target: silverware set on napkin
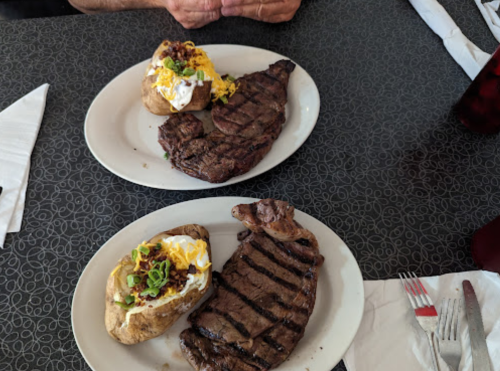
x: 446, y: 326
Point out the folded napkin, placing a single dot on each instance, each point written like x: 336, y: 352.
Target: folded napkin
x: 489, y: 12
x: 19, y: 125
x: 390, y: 338
x: 464, y: 52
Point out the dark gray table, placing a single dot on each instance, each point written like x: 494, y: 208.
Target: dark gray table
x: 388, y: 167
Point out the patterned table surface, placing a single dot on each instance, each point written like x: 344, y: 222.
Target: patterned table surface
x: 388, y: 166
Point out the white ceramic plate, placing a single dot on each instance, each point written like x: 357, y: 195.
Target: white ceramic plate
x: 122, y: 134
x: 331, y: 328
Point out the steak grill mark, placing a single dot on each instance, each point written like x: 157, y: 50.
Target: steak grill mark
x: 298, y: 257
x: 253, y: 357
x: 263, y: 312
x: 271, y: 257
x: 264, y: 271
x: 269, y: 340
x: 237, y: 325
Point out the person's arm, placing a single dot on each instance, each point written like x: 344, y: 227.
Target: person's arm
x: 98, y: 6
x: 189, y: 13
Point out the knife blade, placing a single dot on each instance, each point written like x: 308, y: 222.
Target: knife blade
x: 480, y: 356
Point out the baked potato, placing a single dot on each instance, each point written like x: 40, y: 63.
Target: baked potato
x: 180, y: 78
x: 156, y: 283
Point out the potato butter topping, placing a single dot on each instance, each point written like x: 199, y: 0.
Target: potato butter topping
x: 164, y: 271
x: 180, y: 68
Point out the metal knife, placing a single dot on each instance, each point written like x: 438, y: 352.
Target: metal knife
x: 480, y: 356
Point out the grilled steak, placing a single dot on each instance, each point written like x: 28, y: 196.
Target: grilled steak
x: 258, y: 103
x: 215, y: 157
x: 247, y: 126
x: 262, y: 301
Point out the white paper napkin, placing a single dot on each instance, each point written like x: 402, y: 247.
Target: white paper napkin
x: 19, y: 125
x: 390, y: 338
x: 490, y: 15
x: 464, y: 52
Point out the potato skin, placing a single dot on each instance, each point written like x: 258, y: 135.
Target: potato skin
x: 156, y: 104
x: 154, y: 101
x: 152, y: 322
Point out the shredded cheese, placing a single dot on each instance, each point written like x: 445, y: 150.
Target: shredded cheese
x: 170, y: 292
x: 115, y: 270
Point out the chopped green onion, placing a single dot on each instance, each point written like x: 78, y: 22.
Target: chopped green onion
x: 201, y: 75
x: 144, y: 250
x: 133, y: 280
x: 134, y: 254
x: 158, y: 247
x: 155, y: 275
x: 223, y: 99
x: 168, y: 63
x: 150, y: 282
x: 130, y: 299
x: 167, y: 267
x: 124, y: 306
x: 152, y: 291
x: 188, y: 72
x: 165, y: 156
x: 162, y: 267
x: 161, y: 283
x: 230, y: 78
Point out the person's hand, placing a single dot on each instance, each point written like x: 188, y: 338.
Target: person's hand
x: 194, y: 13
x: 262, y: 10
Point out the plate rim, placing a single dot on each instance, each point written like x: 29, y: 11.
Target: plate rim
x: 205, y: 185
x: 237, y: 199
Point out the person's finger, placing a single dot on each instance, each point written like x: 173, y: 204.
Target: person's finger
x: 196, y: 19
x: 281, y: 17
x: 260, y: 12
x: 230, y: 3
x: 195, y: 5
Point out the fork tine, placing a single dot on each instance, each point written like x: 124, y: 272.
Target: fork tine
x: 449, y: 317
x: 410, y: 296
x: 424, y: 291
x: 456, y: 319
x: 416, y: 290
x: 453, y: 332
x: 416, y: 294
x: 442, y: 315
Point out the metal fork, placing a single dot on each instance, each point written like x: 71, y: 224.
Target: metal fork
x: 450, y: 345
x: 424, y: 309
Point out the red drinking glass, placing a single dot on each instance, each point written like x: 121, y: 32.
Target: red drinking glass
x: 479, y: 108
